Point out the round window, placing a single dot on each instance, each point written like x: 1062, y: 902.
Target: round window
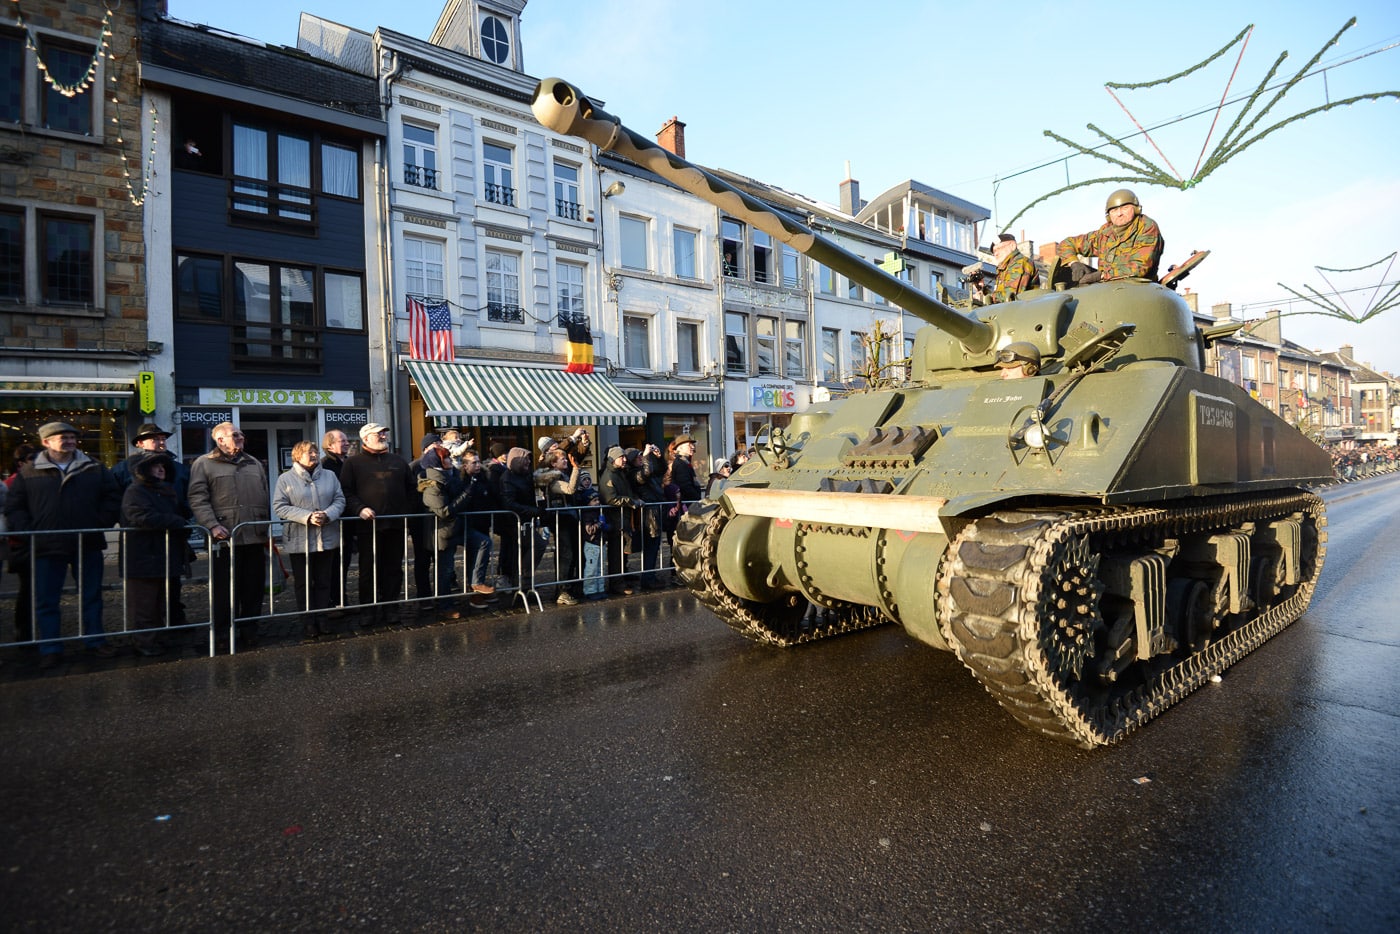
x: 495, y: 40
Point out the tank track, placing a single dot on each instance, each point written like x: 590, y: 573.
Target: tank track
x: 784, y: 623
x: 1020, y: 603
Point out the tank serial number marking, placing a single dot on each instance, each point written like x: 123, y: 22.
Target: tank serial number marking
x: 1216, y: 416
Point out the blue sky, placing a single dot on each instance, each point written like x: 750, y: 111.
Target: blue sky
x: 958, y: 97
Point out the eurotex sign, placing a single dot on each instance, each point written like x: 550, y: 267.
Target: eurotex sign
x: 277, y: 397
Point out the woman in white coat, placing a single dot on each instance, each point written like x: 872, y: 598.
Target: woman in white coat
x: 309, y: 502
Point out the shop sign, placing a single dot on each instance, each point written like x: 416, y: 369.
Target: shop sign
x: 346, y: 418
x: 279, y: 397
x: 776, y: 395
x: 146, y: 391
x: 205, y: 417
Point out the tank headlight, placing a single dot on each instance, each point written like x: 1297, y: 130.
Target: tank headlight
x: 1035, y: 436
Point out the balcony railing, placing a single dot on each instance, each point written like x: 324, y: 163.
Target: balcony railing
x: 566, y: 318
x: 500, y: 194
x: 508, y: 314
x: 569, y: 210
x: 421, y: 177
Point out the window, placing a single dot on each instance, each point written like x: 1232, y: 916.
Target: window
x: 1268, y: 371
x: 67, y: 63
x: 566, y: 191
x: 495, y: 40
x: 503, y: 287
x: 736, y: 342
x: 831, y: 355
x: 762, y: 257
x: 732, y: 247
x: 1247, y: 363
x: 271, y: 173
x: 496, y: 165
x: 423, y: 263
x: 274, y: 313
x: 853, y: 290
x: 794, y: 349
x: 935, y: 283
x: 688, y: 347
x: 66, y: 265
x: 633, y: 231
x: 683, y: 251
x: 792, y: 267
x: 340, y: 170
x: 11, y: 255
x: 826, y: 280
x: 420, y: 156
x: 909, y: 358
x: 636, y: 341
x: 766, y: 346
x: 199, y: 287
x: 345, y: 301
x: 569, y: 306
x: 857, y: 353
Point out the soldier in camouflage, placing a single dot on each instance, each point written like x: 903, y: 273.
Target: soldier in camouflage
x: 1128, y: 246
x: 1015, y: 273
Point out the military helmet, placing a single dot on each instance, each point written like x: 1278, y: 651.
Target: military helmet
x: 1020, y: 353
x: 1121, y: 197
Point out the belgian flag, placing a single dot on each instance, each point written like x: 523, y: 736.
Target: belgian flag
x: 580, y: 348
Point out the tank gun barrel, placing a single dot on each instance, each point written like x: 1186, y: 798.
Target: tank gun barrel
x: 560, y: 106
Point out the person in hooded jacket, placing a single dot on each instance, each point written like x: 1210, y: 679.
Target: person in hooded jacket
x: 309, y: 501
x: 517, y: 494
x: 153, y: 551
x: 442, y: 492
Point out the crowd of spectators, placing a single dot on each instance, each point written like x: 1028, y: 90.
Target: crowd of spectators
x: 1355, y: 461
x: 331, y: 505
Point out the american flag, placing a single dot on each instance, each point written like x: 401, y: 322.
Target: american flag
x: 429, y: 331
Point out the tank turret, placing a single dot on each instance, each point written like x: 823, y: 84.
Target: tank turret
x: 1094, y: 539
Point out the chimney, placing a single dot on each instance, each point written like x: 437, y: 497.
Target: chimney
x: 1193, y: 300
x: 671, y: 137
x: 1270, y: 329
x: 1348, y: 351
x: 850, y: 193
x: 1221, y: 312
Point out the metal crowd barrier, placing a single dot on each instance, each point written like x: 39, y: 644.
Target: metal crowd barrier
x: 542, y: 562
x: 61, y: 599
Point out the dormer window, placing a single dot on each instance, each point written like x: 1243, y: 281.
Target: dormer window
x: 495, y: 40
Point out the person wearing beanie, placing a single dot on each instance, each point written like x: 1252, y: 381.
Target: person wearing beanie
x: 153, y: 550
x: 150, y: 439
x: 616, y: 492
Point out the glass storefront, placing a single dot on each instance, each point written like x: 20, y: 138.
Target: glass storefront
x: 102, y: 421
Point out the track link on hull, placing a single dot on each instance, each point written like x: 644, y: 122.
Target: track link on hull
x: 787, y: 622
x: 1022, y: 604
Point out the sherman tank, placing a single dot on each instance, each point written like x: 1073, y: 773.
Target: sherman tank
x: 1094, y: 541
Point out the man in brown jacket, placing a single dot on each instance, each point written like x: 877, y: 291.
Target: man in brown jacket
x: 228, y: 491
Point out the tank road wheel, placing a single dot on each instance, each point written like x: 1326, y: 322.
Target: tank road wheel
x: 1022, y: 603
x: 785, y: 622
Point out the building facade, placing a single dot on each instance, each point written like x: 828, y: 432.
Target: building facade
x: 263, y: 257
x: 75, y: 166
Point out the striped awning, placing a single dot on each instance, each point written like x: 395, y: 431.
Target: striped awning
x: 40, y: 395
x: 669, y: 393
x: 488, y: 395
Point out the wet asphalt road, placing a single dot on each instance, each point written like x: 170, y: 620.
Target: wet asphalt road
x: 634, y: 766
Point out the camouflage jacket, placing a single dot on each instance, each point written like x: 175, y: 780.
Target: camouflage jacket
x: 1015, y: 275
x: 1123, y: 252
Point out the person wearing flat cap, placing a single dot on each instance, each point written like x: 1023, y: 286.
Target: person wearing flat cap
x: 65, y: 489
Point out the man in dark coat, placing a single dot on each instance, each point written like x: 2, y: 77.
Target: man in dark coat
x: 615, y: 490
x: 65, y: 489
x: 378, y: 482
x: 683, y: 470
x: 517, y: 495
x: 154, y: 547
